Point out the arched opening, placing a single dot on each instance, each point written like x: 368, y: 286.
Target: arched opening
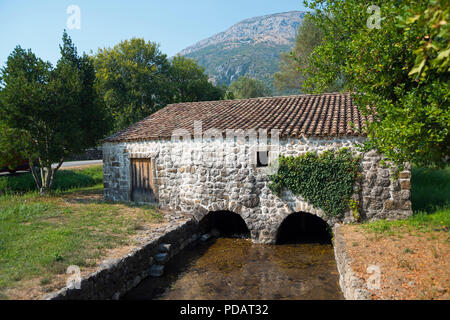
x: 303, y: 227
x: 229, y: 224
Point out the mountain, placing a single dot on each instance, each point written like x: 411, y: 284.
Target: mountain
x: 250, y: 47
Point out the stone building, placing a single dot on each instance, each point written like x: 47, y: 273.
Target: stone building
x: 204, y: 157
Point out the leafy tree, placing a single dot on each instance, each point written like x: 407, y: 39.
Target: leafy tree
x: 133, y: 80
x: 292, y: 63
x: 49, y: 112
x: 245, y: 87
x: 398, y: 72
x: 14, y: 144
x: 190, y: 82
x: 433, y: 52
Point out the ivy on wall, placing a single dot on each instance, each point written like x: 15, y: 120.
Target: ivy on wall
x: 325, y: 180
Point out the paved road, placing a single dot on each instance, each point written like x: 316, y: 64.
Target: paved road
x: 68, y: 164
x: 80, y: 163
x: 11, y: 174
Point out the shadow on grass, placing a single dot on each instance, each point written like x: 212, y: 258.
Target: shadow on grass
x: 430, y: 189
x: 94, y: 195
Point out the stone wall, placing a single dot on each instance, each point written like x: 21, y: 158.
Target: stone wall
x: 185, y: 181
x: 88, y: 154
x: 353, y: 288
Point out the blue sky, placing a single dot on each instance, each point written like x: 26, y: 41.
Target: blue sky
x: 174, y: 24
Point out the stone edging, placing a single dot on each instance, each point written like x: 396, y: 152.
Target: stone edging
x: 352, y: 287
x: 118, y: 276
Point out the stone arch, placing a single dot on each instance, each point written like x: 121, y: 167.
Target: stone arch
x: 303, y: 227
x: 228, y: 223
x: 200, y: 211
x: 287, y: 204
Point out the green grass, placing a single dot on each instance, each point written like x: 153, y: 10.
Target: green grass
x: 41, y: 236
x: 64, y: 180
x: 430, y: 189
x: 438, y: 220
x: 430, y: 197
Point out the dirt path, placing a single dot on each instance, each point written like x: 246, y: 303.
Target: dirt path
x: 413, y: 265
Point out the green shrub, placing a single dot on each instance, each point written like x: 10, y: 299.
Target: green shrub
x: 64, y: 180
x: 325, y: 180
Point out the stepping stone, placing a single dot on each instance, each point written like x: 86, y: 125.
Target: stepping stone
x: 116, y: 296
x: 164, y: 247
x: 195, y: 237
x: 156, y: 270
x: 161, y: 257
x: 205, y: 237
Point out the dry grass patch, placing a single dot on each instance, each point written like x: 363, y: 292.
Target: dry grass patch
x: 414, y: 265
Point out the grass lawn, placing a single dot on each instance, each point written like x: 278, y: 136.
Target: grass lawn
x: 41, y: 236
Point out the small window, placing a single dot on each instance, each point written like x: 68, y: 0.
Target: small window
x: 262, y: 158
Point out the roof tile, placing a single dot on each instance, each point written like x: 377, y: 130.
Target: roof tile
x: 325, y: 115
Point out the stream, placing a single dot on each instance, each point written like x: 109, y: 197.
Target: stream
x: 235, y: 268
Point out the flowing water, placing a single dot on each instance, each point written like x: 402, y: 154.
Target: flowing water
x: 234, y: 268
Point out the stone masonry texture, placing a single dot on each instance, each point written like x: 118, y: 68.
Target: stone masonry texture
x: 184, y: 181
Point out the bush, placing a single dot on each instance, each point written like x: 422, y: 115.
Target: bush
x: 64, y: 180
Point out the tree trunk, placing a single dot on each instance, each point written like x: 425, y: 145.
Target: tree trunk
x: 46, y: 176
x: 52, y: 178
x: 35, y: 174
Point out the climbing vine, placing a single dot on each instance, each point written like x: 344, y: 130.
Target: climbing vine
x: 325, y: 180
x: 354, y: 208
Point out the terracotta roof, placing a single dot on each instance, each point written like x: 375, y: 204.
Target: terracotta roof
x: 325, y: 115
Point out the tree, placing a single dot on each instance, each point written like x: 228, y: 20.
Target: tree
x: 13, y: 144
x: 293, y: 63
x: 398, y: 72
x: 51, y: 112
x: 190, y: 82
x: 133, y: 79
x: 245, y: 87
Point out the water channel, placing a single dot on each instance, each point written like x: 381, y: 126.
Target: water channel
x: 235, y: 268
